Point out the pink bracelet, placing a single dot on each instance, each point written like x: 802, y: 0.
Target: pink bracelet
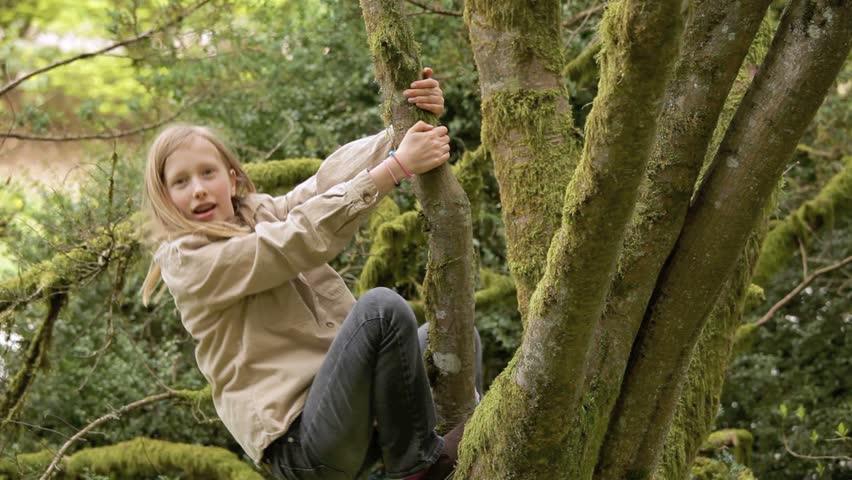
x: 407, y: 173
x: 395, y: 181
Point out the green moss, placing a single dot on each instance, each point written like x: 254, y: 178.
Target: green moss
x: 393, y: 253
x: 470, y: 171
x: 143, y: 458
x: 279, y: 176
x: 385, y: 211
x: 496, y: 288
x: 819, y: 213
x: 26, y: 465
x: 583, y: 70
x: 740, y: 441
x: 744, y: 338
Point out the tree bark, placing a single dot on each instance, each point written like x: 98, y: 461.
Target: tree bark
x: 805, y: 57
x: 716, y: 40
x: 449, y: 283
x: 519, y: 430
x: 526, y: 125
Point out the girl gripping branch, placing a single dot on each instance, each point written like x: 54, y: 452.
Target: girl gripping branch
x: 311, y: 383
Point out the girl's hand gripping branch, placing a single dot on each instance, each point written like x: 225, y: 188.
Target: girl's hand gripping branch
x: 426, y: 94
x: 423, y: 148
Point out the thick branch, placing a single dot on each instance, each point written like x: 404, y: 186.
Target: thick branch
x: 449, y: 283
x: 527, y: 428
x: 806, y: 55
x: 9, y: 86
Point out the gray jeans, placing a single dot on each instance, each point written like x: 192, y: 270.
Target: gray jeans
x: 369, y: 400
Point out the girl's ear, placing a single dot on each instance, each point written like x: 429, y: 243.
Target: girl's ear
x: 233, y: 174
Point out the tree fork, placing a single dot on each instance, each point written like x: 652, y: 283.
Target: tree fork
x: 520, y: 429
x: 449, y: 283
x: 805, y: 57
x: 716, y: 39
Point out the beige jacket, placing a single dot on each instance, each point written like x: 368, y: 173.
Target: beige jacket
x: 264, y: 308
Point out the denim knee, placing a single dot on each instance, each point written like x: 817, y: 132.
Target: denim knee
x: 391, y: 307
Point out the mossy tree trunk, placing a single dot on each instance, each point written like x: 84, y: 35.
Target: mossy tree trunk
x: 450, y: 273
x: 526, y: 125
x: 524, y: 423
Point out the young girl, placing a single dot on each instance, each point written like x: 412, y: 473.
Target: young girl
x: 311, y: 383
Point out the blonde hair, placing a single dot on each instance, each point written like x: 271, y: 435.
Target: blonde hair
x: 164, y: 221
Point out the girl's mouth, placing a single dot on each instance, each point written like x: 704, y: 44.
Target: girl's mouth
x: 204, y: 212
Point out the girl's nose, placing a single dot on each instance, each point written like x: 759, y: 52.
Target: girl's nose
x: 199, y: 191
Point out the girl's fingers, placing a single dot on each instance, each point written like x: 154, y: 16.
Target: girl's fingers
x: 427, y: 72
x: 428, y: 83
x: 427, y: 99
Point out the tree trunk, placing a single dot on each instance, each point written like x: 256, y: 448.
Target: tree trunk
x: 526, y: 125
x: 805, y: 57
x: 520, y: 429
x: 449, y: 283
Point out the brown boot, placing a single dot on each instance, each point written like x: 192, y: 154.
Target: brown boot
x: 444, y: 467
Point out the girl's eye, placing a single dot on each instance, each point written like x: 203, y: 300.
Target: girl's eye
x: 180, y: 181
x: 209, y: 171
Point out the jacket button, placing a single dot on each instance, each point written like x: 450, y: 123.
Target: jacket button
x: 290, y: 440
x: 329, y: 324
x: 367, y: 197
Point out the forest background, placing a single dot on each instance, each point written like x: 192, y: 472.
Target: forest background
x: 291, y: 81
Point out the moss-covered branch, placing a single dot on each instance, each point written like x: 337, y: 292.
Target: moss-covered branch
x: 279, y: 176
x: 834, y: 200
x: 34, y: 359
x: 137, y: 459
x: 65, y: 270
x: 812, y: 42
x: 449, y: 284
x: 526, y: 125
x: 520, y: 430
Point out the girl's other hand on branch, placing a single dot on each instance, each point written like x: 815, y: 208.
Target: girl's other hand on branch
x: 424, y: 147
x: 426, y: 94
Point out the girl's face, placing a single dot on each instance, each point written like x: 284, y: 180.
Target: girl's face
x: 199, y: 182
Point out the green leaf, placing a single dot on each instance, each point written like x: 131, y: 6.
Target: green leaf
x: 814, y: 436
x: 783, y: 410
x: 800, y: 412
x: 842, y: 430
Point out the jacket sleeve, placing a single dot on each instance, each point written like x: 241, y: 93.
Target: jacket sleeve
x: 341, y: 166
x: 220, y: 272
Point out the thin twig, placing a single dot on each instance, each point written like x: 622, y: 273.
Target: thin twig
x: 9, y: 86
x: 582, y: 16
x: 112, y: 415
x: 804, y: 254
x: 790, y: 296
x: 438, y: 11
x: 811, y: 457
